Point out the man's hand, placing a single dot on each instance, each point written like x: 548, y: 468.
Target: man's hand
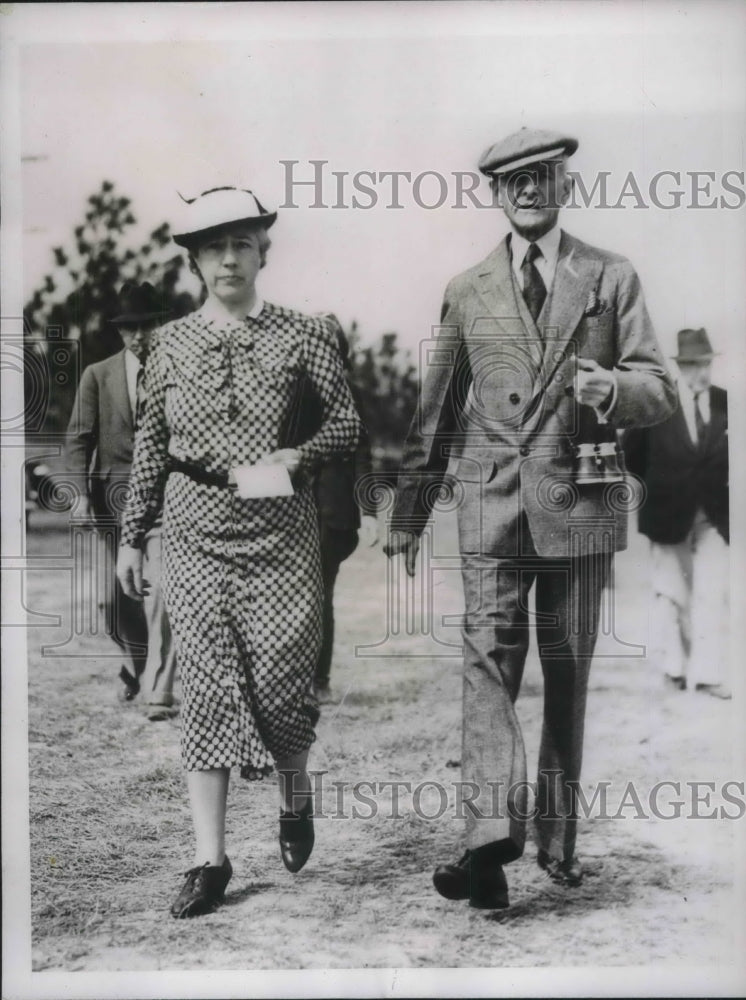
x: 404, y: 543
x: 82, y: 510
x: 129, y: 573
x: 594, y: 383
x: 368, y: 533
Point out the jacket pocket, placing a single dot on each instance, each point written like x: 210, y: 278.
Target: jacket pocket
x: 597, y: 340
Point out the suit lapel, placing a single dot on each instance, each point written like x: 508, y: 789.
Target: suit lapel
x: 684, y: 433
x: 575, y: 276
x: 495, y: 285
x: 118, y: 393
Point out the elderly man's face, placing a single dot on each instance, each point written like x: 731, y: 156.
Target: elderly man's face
x: 136, y: 337
x: 697, y: 374
x: 229, y: 262
x: 532, y: 197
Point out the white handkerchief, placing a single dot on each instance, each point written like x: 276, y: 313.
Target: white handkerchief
x: 256, y: 481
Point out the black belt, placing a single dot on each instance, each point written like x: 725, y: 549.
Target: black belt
x: 200, y: 475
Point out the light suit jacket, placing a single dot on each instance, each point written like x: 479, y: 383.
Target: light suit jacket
x: 498, y: 399
x: 100, y: 435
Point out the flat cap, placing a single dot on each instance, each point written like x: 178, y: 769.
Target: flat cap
x: 527, y: 145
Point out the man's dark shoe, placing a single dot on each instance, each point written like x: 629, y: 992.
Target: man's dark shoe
x: 203, y: 890
x: 483, y: 883
x: 297, y: 836
x: 565, y: 872
x: 677, y: 683
x: 131, y: 684
x: 323, y: 692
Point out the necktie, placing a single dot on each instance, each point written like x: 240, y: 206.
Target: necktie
x: 699, y: 421
x: 534, y: 289
x: 139, y: 395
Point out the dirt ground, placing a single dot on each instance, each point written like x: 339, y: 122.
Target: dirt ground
x: 110, y: 826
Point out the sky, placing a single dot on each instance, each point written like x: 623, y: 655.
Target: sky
x: 177, y: 99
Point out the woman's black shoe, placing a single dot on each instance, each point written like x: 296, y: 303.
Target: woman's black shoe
x: 296, y: 836
x: 203, y: 890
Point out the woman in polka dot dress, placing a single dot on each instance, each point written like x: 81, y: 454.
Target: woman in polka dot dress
x: 242, y: 579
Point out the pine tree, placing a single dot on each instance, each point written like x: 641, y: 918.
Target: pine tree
x: 76, y: 300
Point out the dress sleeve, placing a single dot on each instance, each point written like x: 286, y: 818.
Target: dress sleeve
x: 340, y: 424
x: 150, y: 463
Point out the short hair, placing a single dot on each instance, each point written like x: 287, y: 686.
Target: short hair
x: 264, y: 244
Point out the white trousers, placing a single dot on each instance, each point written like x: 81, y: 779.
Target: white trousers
x: 690, y: 612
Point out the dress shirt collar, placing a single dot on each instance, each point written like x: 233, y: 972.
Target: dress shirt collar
x: 548, y: 244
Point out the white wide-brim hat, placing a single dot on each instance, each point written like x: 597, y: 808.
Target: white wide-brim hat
x: 217, y: 208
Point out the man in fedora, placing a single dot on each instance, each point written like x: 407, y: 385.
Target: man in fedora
x: 684, y: 465
x: 100, y: 440
x: 541, y: 345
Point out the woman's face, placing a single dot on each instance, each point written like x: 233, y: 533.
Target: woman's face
x: 229, y: 263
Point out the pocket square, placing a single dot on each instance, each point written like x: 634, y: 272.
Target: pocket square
x: 595, y: 306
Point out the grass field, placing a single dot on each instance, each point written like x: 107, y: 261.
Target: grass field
x: 110, y: 829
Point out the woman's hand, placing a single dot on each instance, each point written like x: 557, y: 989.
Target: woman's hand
x: 289, y: 457
x: 404, y: 543
x: 129, y: 572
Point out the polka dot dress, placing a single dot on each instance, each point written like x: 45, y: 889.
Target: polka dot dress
x: 241, y: 577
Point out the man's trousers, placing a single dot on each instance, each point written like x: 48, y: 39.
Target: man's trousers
x: 496, y: 639
x: 140, y: 629
x: 690, y: 615
x: 336, y: 546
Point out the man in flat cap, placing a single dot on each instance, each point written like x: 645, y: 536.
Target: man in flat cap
x: 684, y: 465
x: 99, y: 447
x: 544, y: 345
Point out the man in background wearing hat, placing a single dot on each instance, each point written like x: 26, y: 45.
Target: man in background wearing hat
x: 541, y: 345
x: 100, y: 441
x: 684, y: 465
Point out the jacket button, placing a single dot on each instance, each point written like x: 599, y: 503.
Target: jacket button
x: 514, y: 398
x: 524, y: 450
x: 569, y: 390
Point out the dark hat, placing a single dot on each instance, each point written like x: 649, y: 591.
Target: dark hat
x: 694, y: 345
x: 527, y: 145
x: 216, y: 208
x: 138, y: 303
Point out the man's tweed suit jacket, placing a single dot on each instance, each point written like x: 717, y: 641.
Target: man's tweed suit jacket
x: 498, y: 400
x: 100, y: 435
